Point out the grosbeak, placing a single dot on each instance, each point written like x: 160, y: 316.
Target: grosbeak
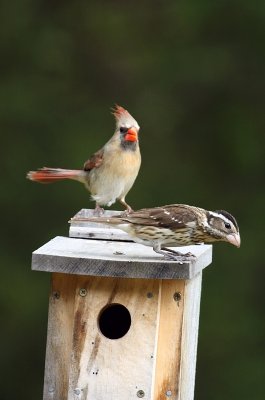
x: 110, y: 173
x: 174, y: 225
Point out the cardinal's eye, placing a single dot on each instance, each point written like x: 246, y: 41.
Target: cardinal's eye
x: 227, y: 225
x: 123, y: 129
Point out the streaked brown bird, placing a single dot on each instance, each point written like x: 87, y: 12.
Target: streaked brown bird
x: 110, y: 173
x: 175, y: 225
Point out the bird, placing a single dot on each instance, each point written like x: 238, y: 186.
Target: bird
x: 174, y: 225
x: 109, y: 173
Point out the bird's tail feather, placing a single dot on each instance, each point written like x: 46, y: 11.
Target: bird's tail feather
x: 50, y: 175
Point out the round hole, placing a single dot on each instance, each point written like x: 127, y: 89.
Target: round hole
x: 114, y: 321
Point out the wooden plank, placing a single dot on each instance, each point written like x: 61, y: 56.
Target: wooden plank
x: 115, y: 259
x: 192, y: 296
x: 157, y: 356
x: 103, y: 368
x: 88, y: 230
x: 166, y: 376
x: 59, y: 337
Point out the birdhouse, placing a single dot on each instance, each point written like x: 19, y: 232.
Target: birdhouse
x: 123, y: 322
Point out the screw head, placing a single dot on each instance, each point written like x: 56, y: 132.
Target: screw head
x: 177, y: 296
x: 140, y: 393
x: 168, y: 393
x: 56, y: 295
x: 77, y: 391
x: 149, y: 295
x: 82, y: 292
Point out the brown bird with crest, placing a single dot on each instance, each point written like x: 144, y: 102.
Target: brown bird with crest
x: 110, y: 173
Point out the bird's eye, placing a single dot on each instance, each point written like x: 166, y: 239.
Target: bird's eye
x: 123, y: 129
x: 227, y: 225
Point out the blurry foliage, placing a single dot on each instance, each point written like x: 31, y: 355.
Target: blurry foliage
x: 192, y: 74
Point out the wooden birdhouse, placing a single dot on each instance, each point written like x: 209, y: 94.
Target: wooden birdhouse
x: 123, y: 322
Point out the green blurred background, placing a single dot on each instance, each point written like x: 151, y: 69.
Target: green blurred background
x: 192, y: 74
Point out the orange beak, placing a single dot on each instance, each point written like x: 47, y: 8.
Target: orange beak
x: 131, y: 135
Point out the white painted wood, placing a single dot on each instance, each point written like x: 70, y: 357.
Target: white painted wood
x: 190, y: 327
x: 117, y: 259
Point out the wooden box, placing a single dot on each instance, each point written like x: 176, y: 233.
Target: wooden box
x: 123, y: 322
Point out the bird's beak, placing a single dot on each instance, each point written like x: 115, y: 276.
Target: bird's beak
x: 131, y: 135
x: 234, y: 238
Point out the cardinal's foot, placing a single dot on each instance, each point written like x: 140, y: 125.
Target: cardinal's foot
x: 98, y: 211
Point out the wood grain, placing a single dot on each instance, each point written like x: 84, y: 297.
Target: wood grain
x: 59, y: 337
x: 168, y: 348
x: 103, y: 368
x: 157, y: 355
x: 190, y: 329
x: 115, y: 259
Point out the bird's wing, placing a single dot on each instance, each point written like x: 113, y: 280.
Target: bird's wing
x: 94, y: 161
x: 172, y: 216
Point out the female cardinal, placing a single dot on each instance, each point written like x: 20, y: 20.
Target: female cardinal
x: 174, y: 225
x: 109, y: 173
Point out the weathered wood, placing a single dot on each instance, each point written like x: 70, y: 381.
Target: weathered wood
x: 59, y: 337
x: 102, y: 368
x: 168, y: 348
x: 157, y: 355
x: 190, y: 329
x: 92, y: 230
x: 156, y: 358
x: 115, y: 259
